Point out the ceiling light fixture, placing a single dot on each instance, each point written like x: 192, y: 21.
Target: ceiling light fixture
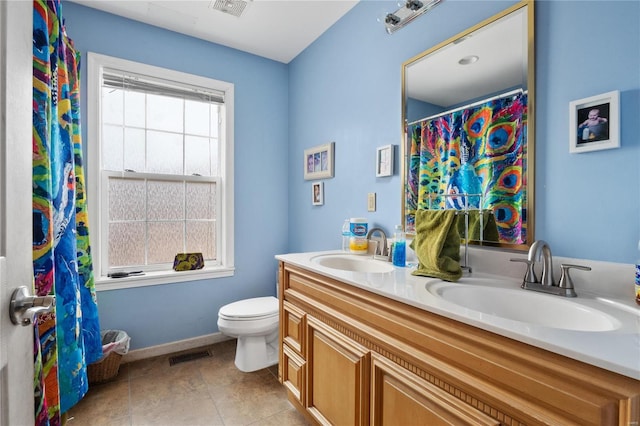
x: 408, y: 11
x: 468, y: 60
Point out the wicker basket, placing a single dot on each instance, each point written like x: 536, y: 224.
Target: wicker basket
x: 104, y: 370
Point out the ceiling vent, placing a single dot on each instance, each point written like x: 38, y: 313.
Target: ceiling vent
x: 232, y: 7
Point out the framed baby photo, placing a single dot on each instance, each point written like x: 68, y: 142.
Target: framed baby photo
x: 317, y: 193
x: 318, y: 162
x: 594, y: 123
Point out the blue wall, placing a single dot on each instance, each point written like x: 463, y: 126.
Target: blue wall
x: 160, y: 314
x: 345, y: 87
x: 588, y: 205
x: 418, y: 110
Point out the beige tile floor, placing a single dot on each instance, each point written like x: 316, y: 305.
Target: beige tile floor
x: 206, y: 391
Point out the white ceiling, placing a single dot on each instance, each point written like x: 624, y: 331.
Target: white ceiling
x: 274, y: 29
x: 281, y: 29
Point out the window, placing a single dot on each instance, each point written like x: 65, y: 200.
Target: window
x: 160, y: 170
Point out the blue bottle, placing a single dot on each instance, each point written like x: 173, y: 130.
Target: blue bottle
x: 399, y: 254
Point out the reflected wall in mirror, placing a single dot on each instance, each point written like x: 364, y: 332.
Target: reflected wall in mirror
x: 468, y: 126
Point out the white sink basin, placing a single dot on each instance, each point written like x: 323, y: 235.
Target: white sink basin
x: 353, y: 262
x: 526, y: 306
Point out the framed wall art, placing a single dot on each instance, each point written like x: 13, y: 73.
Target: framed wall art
x: 594, y: 123
x: 317, y: 193
x: 384, y: 161
x: 318, y: 162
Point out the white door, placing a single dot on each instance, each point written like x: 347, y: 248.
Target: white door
x: 16, y: 269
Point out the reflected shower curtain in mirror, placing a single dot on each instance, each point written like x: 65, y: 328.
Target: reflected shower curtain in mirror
x: 69, y: 338
x: 475, y: 150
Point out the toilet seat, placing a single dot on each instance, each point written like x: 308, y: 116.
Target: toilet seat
x: 250, y: 309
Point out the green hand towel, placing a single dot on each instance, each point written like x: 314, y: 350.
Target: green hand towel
x: 489, y: 227
x: 437, y: 245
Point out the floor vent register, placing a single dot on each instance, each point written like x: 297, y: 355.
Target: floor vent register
x: 177, y: 359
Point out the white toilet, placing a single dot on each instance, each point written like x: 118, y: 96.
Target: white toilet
x: 254, y: 322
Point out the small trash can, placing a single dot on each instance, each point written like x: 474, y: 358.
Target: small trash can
x: 115, y: 343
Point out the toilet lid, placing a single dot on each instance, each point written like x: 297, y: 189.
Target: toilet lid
x: 251, y: 308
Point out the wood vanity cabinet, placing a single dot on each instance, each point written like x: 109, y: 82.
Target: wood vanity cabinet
x: 352, y: 357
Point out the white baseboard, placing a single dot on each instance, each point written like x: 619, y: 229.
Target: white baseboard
x: 172, y: 347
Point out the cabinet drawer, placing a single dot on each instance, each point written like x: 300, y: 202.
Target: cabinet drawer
x: 293, y: 373
x: 293, y: 325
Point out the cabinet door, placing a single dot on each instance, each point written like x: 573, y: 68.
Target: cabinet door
x: 293, y: 373
x: 337, y: 377
x: 293, y: 327
x: 399, y: 397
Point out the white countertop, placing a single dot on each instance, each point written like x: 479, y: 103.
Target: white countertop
x: 615, y: 350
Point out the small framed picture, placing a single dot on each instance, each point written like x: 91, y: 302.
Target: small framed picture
x: 594, y: 123
x: 318, y: 162
x: 384, y: 161
x: 317, y: 193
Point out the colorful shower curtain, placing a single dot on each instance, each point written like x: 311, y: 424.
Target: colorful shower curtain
x: 69, y: 338
x: 478, y: 150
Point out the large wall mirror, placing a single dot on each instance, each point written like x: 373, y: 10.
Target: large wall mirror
x: 468, y: 121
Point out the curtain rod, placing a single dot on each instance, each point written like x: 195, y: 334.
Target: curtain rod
x: 503, y: 95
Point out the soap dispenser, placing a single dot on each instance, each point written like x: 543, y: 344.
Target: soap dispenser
x: 399, y: 253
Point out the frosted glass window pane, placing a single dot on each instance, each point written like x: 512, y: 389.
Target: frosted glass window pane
x: 196, y: 118
x: 126, y: 244
x: 164, y: 152
x: 165, y: 241
x: 213, y: 144
x: 201, y: 200
x: 197, y: 157
x: 134, y: 109
x: 201, y: 238
x: 165, y: 113
x: 134, y: 149
x: 166, y: 200
x: 112, y: 106
x: 215, y: 126
x: 126, y: 199
x: 112, y: 147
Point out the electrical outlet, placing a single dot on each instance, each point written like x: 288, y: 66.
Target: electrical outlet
x: 371, y: 202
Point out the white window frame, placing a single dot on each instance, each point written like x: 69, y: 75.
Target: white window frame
x: 98, y: 211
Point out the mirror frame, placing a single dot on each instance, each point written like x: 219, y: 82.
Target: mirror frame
x: 530, y: 157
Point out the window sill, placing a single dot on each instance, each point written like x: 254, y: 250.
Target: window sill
x: 161, y: 277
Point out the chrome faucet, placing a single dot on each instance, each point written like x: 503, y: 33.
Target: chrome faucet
x: 541, y: 247
x: 546, y: 284
x: 382, y: 241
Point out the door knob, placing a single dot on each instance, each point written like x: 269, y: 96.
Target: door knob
x: 24, y: 308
